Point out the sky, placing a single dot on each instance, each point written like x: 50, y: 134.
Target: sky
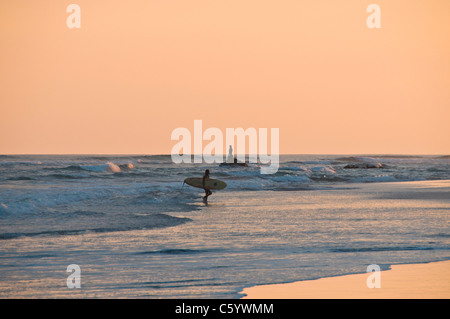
x: 136, y: 70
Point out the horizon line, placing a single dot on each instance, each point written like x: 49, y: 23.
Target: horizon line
x: 246, y: 154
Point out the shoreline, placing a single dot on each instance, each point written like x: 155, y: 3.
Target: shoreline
x: 403, y: 281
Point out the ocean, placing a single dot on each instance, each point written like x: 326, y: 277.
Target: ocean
x: 136, y: 231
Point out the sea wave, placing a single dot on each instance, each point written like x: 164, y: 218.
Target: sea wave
x: 152, y: 221
x: 10, y: 163
x: 306, y: 162
x: 33, y: 201
x: 380, y: 248
x: 21, y: 178
x: 98, y: 168
x: 174, y: 251
x: 81, y: 178
x: 357, y: 159
x: 108, y: 167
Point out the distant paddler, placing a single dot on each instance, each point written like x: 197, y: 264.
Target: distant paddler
x: 235, y: 163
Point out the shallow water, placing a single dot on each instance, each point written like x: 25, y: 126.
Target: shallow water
x: 137, y: 234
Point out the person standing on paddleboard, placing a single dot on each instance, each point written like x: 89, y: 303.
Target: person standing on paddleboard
x: 207, y: 191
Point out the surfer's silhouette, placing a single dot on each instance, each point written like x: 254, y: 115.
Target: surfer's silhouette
x: 230, y: 155
x: 207, y: 191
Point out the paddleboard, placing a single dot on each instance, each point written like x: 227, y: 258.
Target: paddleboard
x: 209, y: 183
x: 233, y: 164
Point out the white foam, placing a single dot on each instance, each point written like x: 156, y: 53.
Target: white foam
x: 296, y: 168
x: 3, y: 208
x: 323, y: 169
x: 127, y: 166
x: 111, y: 167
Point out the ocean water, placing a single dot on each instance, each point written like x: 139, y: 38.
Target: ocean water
x: 136, y: 231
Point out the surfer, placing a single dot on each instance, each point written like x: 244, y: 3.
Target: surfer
x: 230, y: 155
x: 207, y: 191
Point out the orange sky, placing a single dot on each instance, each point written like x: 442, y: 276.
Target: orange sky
x: 138, y: 69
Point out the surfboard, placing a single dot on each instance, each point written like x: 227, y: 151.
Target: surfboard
x: 210, y: 183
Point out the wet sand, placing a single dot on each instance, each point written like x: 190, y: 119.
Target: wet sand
x: 408, y: 281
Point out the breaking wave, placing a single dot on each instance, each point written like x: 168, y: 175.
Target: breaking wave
x: 152, y: 221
